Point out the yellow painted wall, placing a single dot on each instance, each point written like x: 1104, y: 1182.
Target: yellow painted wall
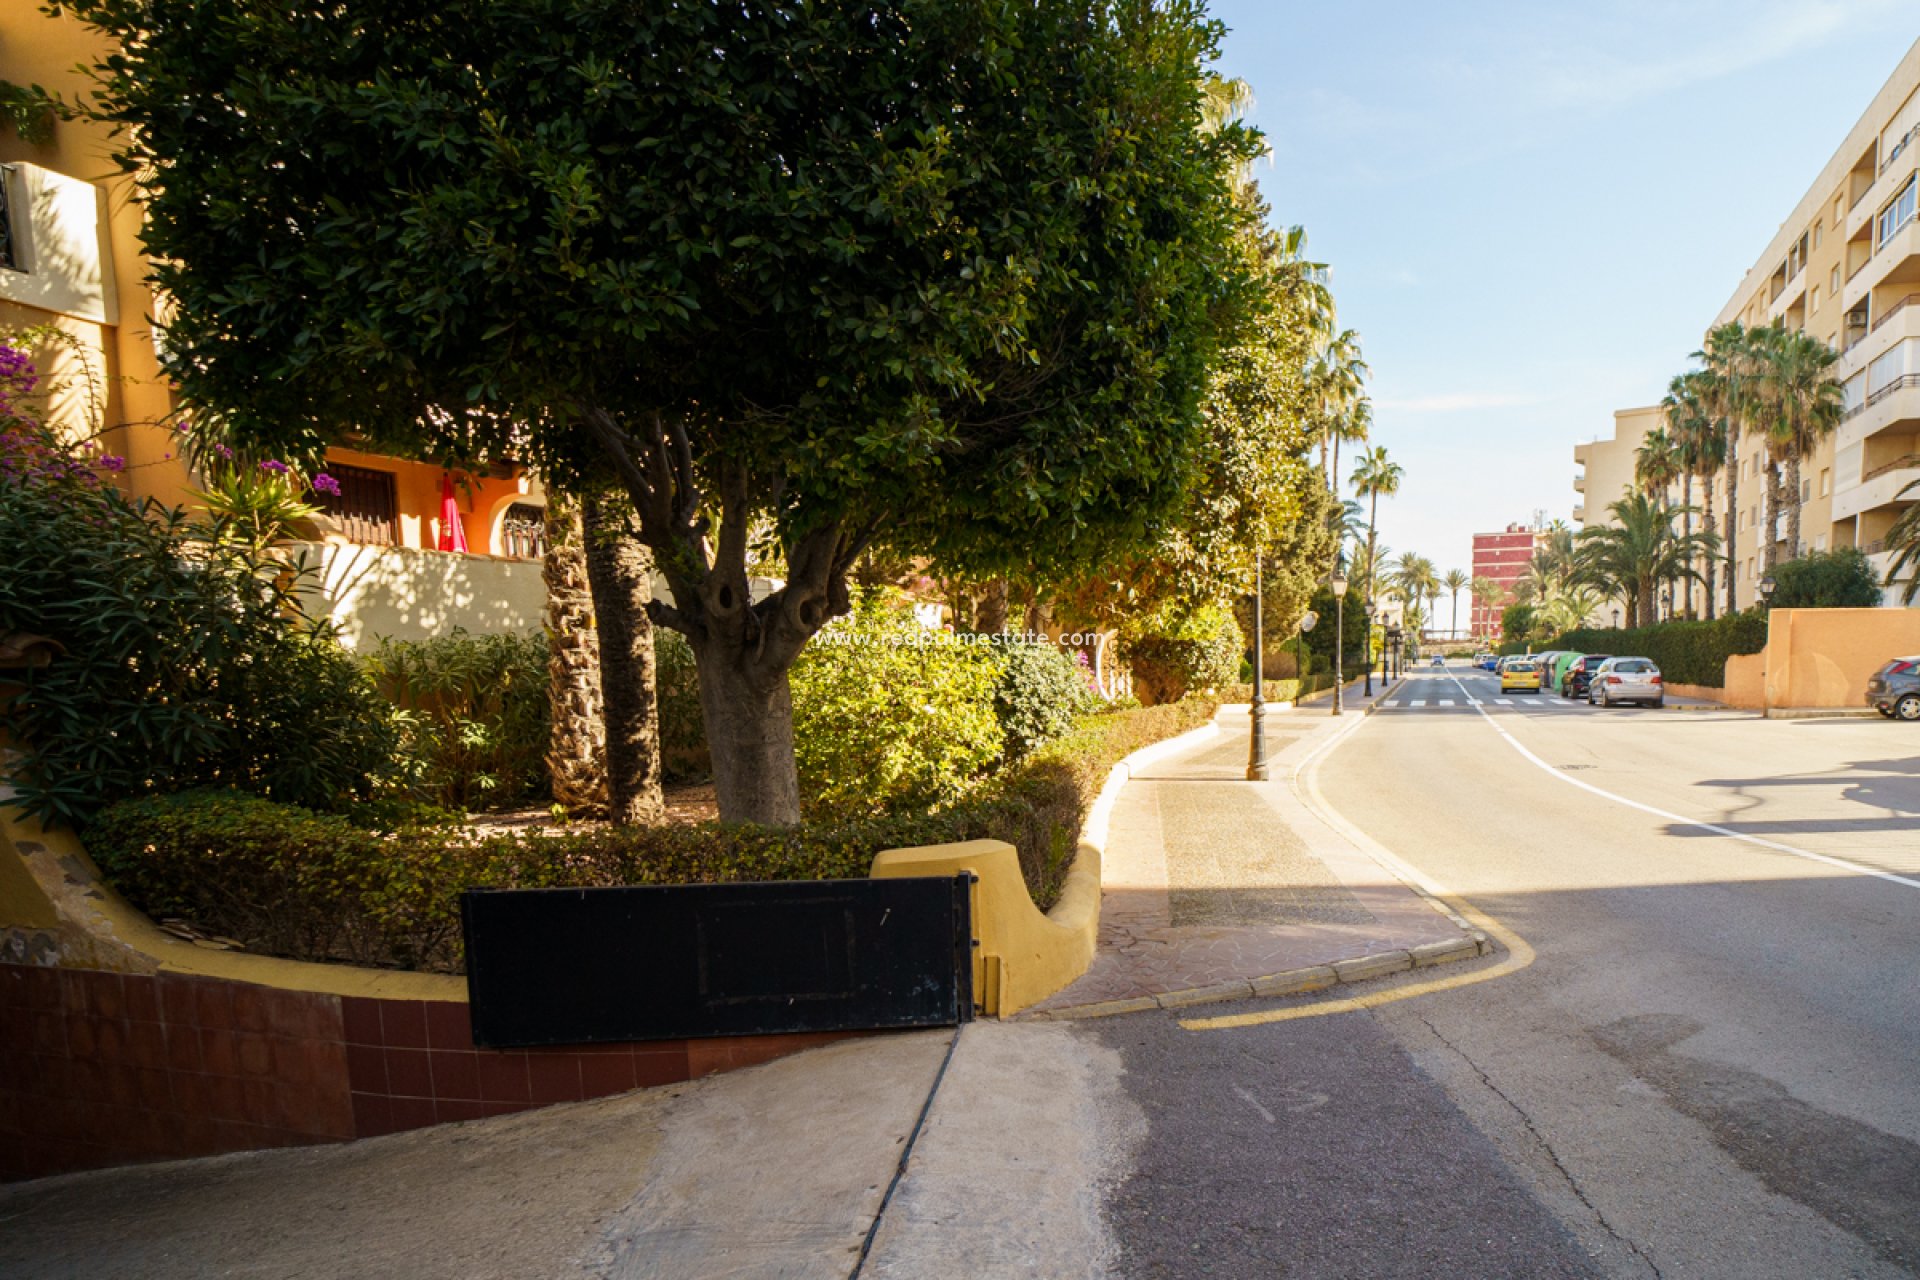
x: 403, y: 593
x: 1822, y: 657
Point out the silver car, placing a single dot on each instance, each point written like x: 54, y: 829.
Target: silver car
x: 1626, y: 680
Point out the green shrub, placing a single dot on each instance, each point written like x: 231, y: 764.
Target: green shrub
x: 1037, y: 695
x: 1201, y: 653
x: 288, y: 881
x: 887, y: 713
x: 183, y: 660
x: 476, y: 728
x: 683, y: 733
x: 1685, y: 652
x: 1839, y: 579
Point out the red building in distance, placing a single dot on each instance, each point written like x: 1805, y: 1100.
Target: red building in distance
x: 1501, y: 557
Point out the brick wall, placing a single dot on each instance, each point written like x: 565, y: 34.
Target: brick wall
x: 106, y: 1068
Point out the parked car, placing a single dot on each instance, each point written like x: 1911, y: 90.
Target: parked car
x: 1894, y: 690
x: 1520, y: 675
x: 1580, y: 674
x: 1620, y: 680
x: 1438, y: 661
x: 1484, y: 661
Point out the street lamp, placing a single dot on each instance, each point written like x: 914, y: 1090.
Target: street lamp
x: 1339, y: 633
x: 1666, y: 603
x: 1767, y: 584
x: 1369, y: 648
x: 1257, y: 740
x: 1616, y: 617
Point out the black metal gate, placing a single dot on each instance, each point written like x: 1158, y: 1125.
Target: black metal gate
x: 658, y: 962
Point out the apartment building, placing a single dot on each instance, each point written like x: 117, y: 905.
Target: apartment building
x: 1502, y: 558
x: 1845, y: 267
x: 407, y: 548
x: 1607, y: 466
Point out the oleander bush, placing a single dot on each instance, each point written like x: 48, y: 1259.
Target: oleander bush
x: 1038, y: 694
x: 1202, y: 652
x: 289, y: 881
x: 475, y: 731
x: 181, y: 659
x: 890, y: 714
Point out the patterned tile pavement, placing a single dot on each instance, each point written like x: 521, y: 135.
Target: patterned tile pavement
x: 1211, y: 879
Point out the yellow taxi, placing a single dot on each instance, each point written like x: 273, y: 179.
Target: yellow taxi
x: 1518, y: 675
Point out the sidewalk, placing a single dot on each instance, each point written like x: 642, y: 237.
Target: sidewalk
x: 1215, y: 888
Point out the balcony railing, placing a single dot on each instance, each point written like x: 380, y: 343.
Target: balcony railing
x: 1893, y: 310
x: 1907, y: 463
x: 1875, y: 547
x: 1900, y: 383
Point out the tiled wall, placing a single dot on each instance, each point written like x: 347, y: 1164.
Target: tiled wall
x: 104, y: 1068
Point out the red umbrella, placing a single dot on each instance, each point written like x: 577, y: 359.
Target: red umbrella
x: 453, y: 534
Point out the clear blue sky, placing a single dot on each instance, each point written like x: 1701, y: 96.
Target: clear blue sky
x: 1533, y: 211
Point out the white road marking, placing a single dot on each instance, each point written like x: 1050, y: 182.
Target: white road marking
x: 1418, y: 702
x: 1394, y: 703
x: 1473, y: 702
x: 1446, y: 702
x: 1254, y: 1102
x: 1504, y: 702
x: 1742, y: 836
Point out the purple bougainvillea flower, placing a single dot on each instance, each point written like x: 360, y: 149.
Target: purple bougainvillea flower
x: 223, y: 451
x: 111, y: 462
x: 275, y: 466
x: 324, y: 483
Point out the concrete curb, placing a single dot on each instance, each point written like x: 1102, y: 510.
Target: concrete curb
x: 1293, y: 982
x: 1821, y: 713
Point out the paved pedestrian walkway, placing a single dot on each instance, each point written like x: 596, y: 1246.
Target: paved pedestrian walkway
x: 1211, y: 882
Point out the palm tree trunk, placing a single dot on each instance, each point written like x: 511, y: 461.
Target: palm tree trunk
x: 1706, y: 522
x: 1733, y: 527
x: 1686, y: 529
x: 576, y: 744
x: 1769, y: 542
x: 620, y: 573
x: 1793, y: 506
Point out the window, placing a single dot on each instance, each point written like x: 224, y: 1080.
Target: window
x: 523, y: 531
x: 1813, y: 298
x: 1816, y: 234
x: 1833, y: 281
x: 1826, y: 481
x: 1839, y: 209
x: 1897, y: 214
x: 1796, y: 256
x: 10, y: 256
x: 1806, y: 490
x: 366, y: 506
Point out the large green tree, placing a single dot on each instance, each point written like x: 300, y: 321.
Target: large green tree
x: 930, y: 273
x: 1633, y: 556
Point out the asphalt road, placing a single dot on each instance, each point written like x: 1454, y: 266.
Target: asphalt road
x: 1711, y: 1067
x: 1708, y: 1070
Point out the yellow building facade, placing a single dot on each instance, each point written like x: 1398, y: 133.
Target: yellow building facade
x: 71, y: 261
x: 1844, y: 267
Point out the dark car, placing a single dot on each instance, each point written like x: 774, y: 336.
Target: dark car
x: 1580, y: 675
x: 1894, y: 690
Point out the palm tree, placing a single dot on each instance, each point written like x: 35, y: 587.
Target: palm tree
x: 1567, y: 608
x: 1701, y: 447
x: 1808, y: 404
x: 1633, y: 557
x: 1726, y: 395
x: 1453, y: 582
x: 1486, y: 593
x: 1656, y: 465
x: 1903, y: 540
x: 1375, y: 477
x: 1334, y: 382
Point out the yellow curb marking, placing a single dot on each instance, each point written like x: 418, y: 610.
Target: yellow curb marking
x: 1519, y: 953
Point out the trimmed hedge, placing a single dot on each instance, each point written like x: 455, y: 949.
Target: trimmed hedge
x: 1687, y: 652
x: 289, y: 881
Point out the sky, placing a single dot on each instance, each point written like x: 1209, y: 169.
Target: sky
x: 1533, y: 211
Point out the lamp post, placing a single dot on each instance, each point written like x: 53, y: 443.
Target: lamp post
x: 1616, y: 617
x: 1666, y: 604
x: 1257, y: 740
x: 1369, y: 606
x: 1339, y: 633
x: 1767, y: 585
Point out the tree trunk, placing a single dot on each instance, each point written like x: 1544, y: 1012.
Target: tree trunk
x: 576, y: 743
x: 749, y: 722
x: 992, y: 617
x: 1770, y: 515
x: 1686, y: 530
x: 621, y: 575
x: 1733, y: 529
x: 1706, y: 523
x: 1793, y: 506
